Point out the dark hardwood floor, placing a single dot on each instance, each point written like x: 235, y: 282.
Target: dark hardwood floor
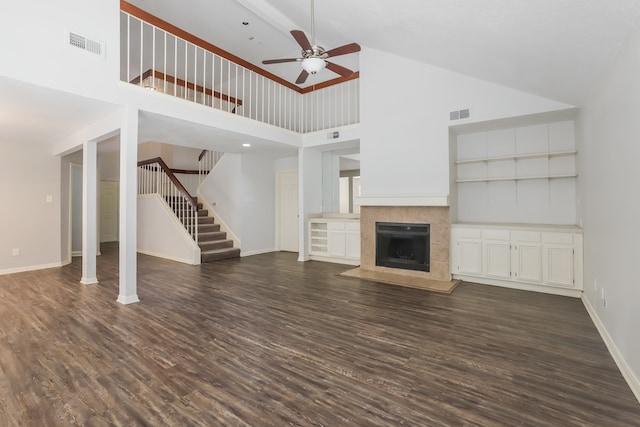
x: 268, y: 341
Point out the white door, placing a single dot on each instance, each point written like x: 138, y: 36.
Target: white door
x: 108, y: 211
x: 288, y: 211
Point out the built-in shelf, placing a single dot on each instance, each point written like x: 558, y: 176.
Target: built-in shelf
x: 517, y: 178
x: 517, y: 157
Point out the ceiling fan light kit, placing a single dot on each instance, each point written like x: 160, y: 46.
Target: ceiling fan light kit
x: 314, y: 58
x: 312, y: 64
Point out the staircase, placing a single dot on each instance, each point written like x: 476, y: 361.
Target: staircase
x: 213, y: 243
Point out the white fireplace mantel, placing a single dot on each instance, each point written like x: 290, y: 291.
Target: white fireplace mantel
x: 430, y: 200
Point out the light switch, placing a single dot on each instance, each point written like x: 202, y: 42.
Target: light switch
x: 49, y: 198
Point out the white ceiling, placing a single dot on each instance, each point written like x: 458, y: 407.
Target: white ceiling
x: 553, y: 48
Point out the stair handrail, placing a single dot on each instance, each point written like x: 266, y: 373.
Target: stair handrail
x: 175, y: 188
x: 173, y: 179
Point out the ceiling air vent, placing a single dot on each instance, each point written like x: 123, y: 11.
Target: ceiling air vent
x: 85, y: 43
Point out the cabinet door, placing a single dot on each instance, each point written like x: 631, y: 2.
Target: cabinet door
x: 353, y: 244
x: 469, y: 256
x: 558, y: 265
x: 528, y: 261
x: 498, y: 259
x: 337, y: 243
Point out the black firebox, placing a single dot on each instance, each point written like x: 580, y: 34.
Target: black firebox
x: 402, y: 245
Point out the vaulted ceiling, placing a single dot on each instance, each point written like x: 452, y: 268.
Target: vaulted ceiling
x: 553, y: 48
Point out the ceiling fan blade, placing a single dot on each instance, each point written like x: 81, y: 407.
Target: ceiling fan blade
x: 302, y: 39
x: 343, y: 50
x: 279, y: 61
x: 302, y: 77
x: 339, y: 69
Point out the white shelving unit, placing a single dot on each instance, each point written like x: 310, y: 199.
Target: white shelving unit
x: 319, y: 238
x: 520, y: 174
x: 335, y: 240
x: 516, y: 158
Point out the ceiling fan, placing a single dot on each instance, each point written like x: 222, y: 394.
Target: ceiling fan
x: 314, y: 58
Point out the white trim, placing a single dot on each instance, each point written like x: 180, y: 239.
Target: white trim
x: 567, y: 292
x: 76, y: 253
x: 625, y: 370
x: 334, y: 260
x: 258, y: 252
x: 89, y: 280
x: 127, y: 299
x: 433, y: 200
x: 217, y: 219
x: 171, y: 258
x: 30, y: 268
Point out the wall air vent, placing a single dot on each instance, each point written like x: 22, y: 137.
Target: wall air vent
x: 460, y: 114
x: 85, y: 43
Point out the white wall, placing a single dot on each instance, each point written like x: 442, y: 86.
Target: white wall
x: 222, y: 189
x: 42, y: 57
x: 172, y: 241
x: 28, y: 175
x: 405, y: 127
x: 310, y: 191
x: 609, y: 134
x: 258, y: 204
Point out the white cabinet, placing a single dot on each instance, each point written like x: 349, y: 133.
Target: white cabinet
x: 467, y: 256
x: 335, y: 240
x: 525, y: 257
x: 559, y: 259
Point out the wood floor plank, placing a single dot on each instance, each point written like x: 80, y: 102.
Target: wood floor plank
x: 269, y: 341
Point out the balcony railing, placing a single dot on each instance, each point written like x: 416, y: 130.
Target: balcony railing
x: 156, y: 59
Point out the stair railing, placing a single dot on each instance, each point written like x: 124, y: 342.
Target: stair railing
x: 206, y: 161
x: 154, y: 176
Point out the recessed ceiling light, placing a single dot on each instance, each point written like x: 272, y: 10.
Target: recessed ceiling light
x: 246, y: 145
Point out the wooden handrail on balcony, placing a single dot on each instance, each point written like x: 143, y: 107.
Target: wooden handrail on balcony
x: 164, y: 25
x: 181, y: 83
x: 192, y: 202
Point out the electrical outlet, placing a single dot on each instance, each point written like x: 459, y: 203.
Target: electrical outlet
x: 595, y: 284
x: 603, y: 297
x: 15, y: 252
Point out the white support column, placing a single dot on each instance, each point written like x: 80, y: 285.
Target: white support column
x: 89, y: 212
x: 128, y: 207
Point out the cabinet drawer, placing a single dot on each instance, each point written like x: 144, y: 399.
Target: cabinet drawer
x: 335, y: 225
x: 353, y: 226
x: 558, y: 238
x: 495, y: 234
x: 467, y: 233
x: 526, y: 236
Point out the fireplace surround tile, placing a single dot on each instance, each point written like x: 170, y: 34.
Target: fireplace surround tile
x: 436, y: 216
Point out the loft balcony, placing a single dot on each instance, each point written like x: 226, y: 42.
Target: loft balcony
x: 181, y: 65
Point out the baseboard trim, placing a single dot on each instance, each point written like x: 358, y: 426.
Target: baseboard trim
x: 89, y: 280
x: 76, y: 253
x: 575, y: 293
x: 127, y: 299
x: 258, y: 252
x: 30, y: 268
x: 625, y: 370
x: 170, y: 258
